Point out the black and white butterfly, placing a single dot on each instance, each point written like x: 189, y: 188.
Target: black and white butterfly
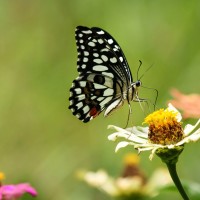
x: 105, y: 80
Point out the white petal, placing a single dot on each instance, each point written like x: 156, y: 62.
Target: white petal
x: 114, y: 136
x: 171, y: 146
x: 195, y: 137
x: 172, y: 108
x: 149, y: 145
x: 191, y: 138
x: 137, y: 140
x: 121, y: 145
x: 117, y: 128
x: 131, y: 136
x: 139, y: 131
x: 189, y: 128
x: 144, y: 149
x: 152, y: 153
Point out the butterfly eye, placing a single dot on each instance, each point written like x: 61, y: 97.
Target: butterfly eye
x: 138, y: 83
x: 104, y: 80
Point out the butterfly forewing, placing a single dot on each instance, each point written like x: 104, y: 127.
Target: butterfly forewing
x: 104, y: 74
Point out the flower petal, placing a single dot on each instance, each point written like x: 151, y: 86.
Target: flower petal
x: 152, y: 153
x: 136, y: 136
x: 189, y: 128
x: 117, y: 128
x: 191, y: 138
x: 16, y: 191
x: 139, y: 131
x: 122, y: 145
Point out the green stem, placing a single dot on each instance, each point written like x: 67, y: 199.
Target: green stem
x: 172, y: 170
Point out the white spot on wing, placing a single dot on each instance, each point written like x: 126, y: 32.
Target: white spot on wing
x: 110, y: 41
x: 83, y: 66
x: 117, y: 47
x: 105, y: 101
x: 77, y: 90
x: 80, y: 35
x: 98, y: 86
x: 71, y: 102
x: 86, y: 53
x: 82, y: 83
x: 121, y: 59
x: 85, y: 59
x: 104, y: 50
x: 78, y: 115
x: 92, y: 44
x: 108, y: 74
x: 95, y: 54
x: 104, y: 58
x: 82, y: 47
x: 100, y: 98
x: 108, y: 82
x: 79, y: 105
x: 86, y: 109
x: 93, y: 97
x: 113, y: 60
x: 100, y: 32
x: 81, y: 97
x: 100, y: 68
x: 72, y: 109
x: 108, y: 92
x: 100, y: 41
x: 98, y: 61
x: 73, y: 85
x: 87, y: 32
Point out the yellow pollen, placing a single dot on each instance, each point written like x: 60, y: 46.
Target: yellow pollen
x: 2, y: 176
x: 131, y: 159
x: 161, y: 117
x: 163, y: 127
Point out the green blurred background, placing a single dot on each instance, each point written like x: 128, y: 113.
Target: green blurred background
x: 41, y: 141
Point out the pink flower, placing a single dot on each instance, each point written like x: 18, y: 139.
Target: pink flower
x: 189, y: 104
x: 14, y: 192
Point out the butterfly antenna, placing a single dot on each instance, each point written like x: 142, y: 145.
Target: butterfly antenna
x: 139, y: 70
x: 145, y: 71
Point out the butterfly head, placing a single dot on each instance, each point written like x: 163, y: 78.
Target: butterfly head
x: 138, y: 83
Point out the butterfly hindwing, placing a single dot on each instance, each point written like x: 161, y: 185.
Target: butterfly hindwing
x: 90, y: 94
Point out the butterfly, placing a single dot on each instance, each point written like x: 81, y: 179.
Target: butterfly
x: 105, y: 81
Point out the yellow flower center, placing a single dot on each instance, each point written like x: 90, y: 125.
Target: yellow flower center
x: 2, y: 176
x: 131, y: 168
x: 163, y: 127
x: 131, y: 159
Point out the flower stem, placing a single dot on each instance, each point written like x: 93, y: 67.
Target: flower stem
x: 172, y: 170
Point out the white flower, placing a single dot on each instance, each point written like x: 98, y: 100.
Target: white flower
x: 132, y: 182
x: 164, y: 131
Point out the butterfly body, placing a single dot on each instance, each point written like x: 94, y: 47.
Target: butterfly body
x: 104, y: 81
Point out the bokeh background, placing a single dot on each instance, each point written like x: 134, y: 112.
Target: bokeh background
x: 41, y: 141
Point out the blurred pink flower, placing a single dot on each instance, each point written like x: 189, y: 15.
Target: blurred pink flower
x: 189, y: 104
x: 14, y: 192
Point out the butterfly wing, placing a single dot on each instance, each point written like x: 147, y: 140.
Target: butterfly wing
x: 104, y: 74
